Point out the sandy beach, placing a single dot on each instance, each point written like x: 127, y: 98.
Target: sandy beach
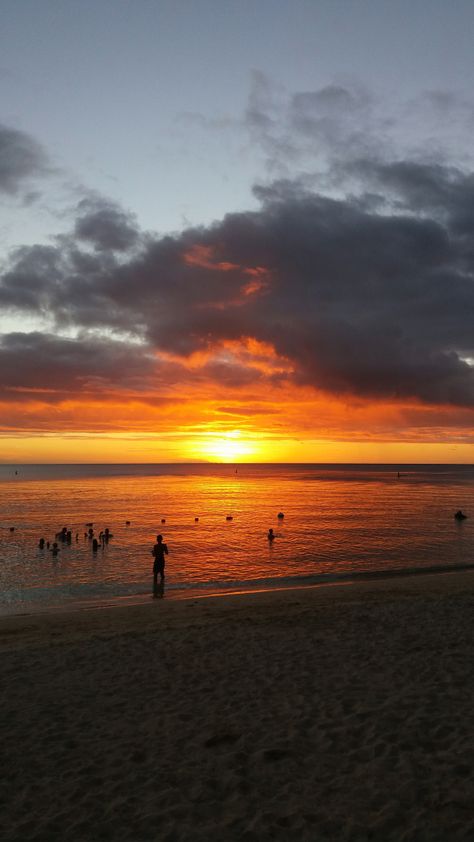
x: 332, y: 713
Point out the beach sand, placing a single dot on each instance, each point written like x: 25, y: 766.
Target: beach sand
x: 332, y: 713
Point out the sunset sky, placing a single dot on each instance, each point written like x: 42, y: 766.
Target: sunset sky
x: 236, y: 231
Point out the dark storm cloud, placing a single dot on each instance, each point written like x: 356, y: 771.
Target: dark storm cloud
x: 21, y: 158
x: 35, y: 271
x: 359, y: 302
x: 365, y: 291
x: 47, y: 367
x: 447, y: 193
x: 105, y: 225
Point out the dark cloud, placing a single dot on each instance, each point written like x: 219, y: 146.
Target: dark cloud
x: 446, y: 193
x: 365, y: 303
x: 312, y: 130
x: 105, y: 225
x: 36, y: 270
x: 366, y: 292
x: 21, y: 158
x: 51, y: 368
x: 334, y: 115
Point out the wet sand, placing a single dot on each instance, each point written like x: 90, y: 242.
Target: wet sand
x: 333, y: 713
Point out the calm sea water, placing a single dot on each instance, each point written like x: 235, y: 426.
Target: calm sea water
x: 339, y: 521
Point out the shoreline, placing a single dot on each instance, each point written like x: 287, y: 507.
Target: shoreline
x: 125, y: 614
x: 177, y: 594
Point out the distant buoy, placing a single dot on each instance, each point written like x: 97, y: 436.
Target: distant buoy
x: 196, y: 519
x: 127, y: 523
x: 12, y: 528
x: 229, y: 517
x: 163, y: 520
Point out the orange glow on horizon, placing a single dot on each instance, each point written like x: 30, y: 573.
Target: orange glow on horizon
x: 256, y: 413
x: 227, y: 447
x: 280, y: 426
x: 108, y: 448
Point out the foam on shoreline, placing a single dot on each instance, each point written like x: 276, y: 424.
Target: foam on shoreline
x: 175, y: 593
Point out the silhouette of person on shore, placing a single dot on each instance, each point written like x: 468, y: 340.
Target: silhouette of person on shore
x: 158, y: 552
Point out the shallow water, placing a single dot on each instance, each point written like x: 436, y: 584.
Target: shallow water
x: 338, y: 521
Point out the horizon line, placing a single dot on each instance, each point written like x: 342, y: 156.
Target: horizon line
x: 230, y: 464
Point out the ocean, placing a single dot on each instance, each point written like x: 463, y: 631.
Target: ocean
x: 340, y: 522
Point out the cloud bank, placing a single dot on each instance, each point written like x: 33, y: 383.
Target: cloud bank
x: 356, y: 282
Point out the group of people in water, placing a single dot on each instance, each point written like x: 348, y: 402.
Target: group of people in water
x: 65, y: 537
x: 159, y: 551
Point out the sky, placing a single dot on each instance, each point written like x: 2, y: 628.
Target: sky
x: 236, y: 231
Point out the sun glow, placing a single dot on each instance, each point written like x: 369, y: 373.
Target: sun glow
x: 227, y: 447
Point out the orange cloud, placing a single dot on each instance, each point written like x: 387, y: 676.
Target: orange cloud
x: 247, y: 352
x: 203, y: 256
x: 189, y: 412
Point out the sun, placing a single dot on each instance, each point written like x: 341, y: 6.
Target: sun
x: 227, y: 447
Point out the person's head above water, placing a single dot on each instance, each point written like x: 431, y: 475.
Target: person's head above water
x: 159, y: 538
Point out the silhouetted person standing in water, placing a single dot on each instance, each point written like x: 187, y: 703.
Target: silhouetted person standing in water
x: 158, y: 552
